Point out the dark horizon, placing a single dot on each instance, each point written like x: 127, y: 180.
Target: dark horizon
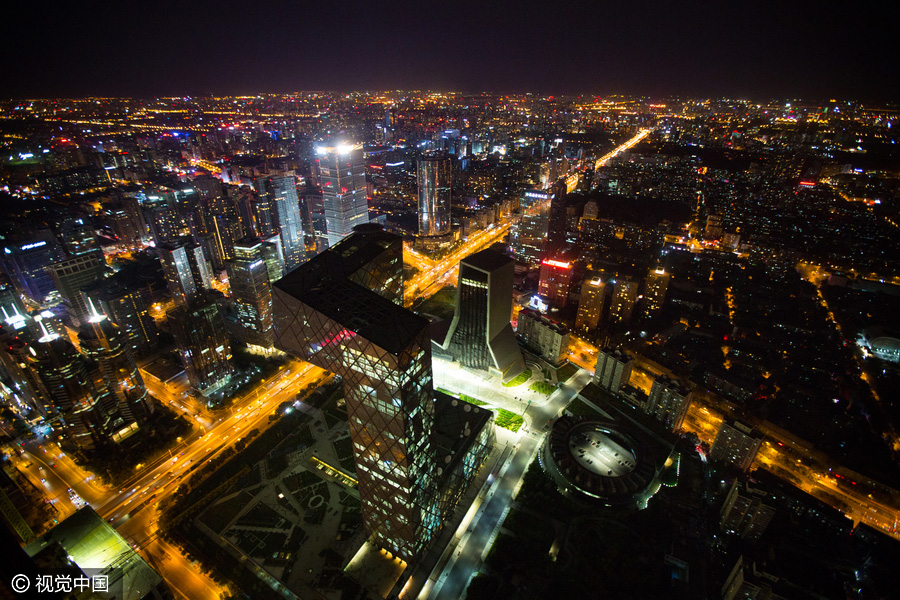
x: 709, y: 50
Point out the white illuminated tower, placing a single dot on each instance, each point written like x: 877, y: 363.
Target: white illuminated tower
x: 283, y: 191
x: 343, y: 180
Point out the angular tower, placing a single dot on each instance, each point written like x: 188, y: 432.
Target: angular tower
x: 341, y: 311
x: 480, y: 335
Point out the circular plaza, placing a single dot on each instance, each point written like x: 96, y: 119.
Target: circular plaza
x: 598, y: 461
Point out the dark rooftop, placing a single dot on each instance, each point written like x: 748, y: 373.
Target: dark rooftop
x: 487, y: 260
x: 322, y: 283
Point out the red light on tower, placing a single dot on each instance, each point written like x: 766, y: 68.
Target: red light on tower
x: 557, y: 263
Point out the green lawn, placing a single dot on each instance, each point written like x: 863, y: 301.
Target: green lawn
x: 508, y: 420
x: 542, y: 387
x: 472, y: 400
x: 519, y: 379
x: 565, y: 372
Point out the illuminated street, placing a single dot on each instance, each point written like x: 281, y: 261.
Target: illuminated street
x: 431, y: 279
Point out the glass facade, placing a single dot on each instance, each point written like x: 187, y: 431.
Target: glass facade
x: 433, y: 177
x: 324, y: 314
x: 343, y: 180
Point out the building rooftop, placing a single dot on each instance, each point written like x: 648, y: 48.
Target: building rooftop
x: 323, y: 284
x: 487, y: 260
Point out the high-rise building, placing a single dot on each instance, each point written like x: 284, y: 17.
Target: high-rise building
x: 74, y: 273
x: 655, y: 287
x: 219, y: 226
x: 383, y: 354
x: 745, y: 512
x: 108, y: 346
x: 558, y: 222
x: 76, y: 234
x: 127, y: 308
x: 613, y: 369
x: 251, y: 292
x: 414, y: 455
x: 202, y: 342
x: 531, y: 232
x: 545, y: 337
x: 669, y: 401
x: 736, y: 444
x: 88, y: 413
x: 480, y: 334
x: 343, y: 180
x: 186, y: 270
x: 590, y: 303
x: 25, y: 262
x: 433, y: 177
x: 283, y: 191
x: 624, y: 296
x: 555, y: 280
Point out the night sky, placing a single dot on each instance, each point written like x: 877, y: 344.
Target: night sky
x: 756, y: 50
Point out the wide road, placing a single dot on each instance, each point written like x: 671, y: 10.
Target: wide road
x: 782, y: 453
x: 424, y: 282
x: 473, y: 546
x: 132, y: 506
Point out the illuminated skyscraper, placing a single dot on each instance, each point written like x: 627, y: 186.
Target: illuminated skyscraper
x: 341, y: 311
x: 283, y: 192
x: 556, y: 277
x: 543, y: 336
x: 343, y: 181
x: 480, y: 334
x: 531, y: 231
x: 433, y: 177
x: 89, y: 413
x: 590, y: 303
x: 186, y: 270
x: 74, y: 273
x: 655, y: 291
x: 624, y: 295
x: 25, y: 262
x: 248, y: 275
x: 125, y: 306
x: 108, y: 345
x: 201, y: 339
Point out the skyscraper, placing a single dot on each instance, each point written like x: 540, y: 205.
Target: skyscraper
x: 186, y: 270
x: 107, y: 344
x: 613, y: 369
x: 545, y: 337
x: 433, y: 177
x: 127, y: 308
x: 74, y: 273
x: 669, y: 401
x: 655, y: 287
x: 251, y: 292
x: 621, y: 306
x: 531, y: 232
x: 283, y: 191
x: 25, y: 262
x: 59, y: 375
x: 556, y: 278
x: 383, y: 353
x: 590, y: 303
x: 202, y: 342
x: 480, y: 334
x: 343, y: 181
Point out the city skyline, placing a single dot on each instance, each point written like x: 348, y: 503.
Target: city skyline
x: 643, y: 340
